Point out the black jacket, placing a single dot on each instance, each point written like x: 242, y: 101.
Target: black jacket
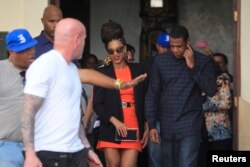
x: 107, y: 103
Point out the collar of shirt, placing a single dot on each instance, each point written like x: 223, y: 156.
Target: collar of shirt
x: 43, y: 40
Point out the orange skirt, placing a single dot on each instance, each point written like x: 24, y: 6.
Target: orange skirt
x: 130, y: 121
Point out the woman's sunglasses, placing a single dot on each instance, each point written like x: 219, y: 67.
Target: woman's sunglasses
x: 118, y: 50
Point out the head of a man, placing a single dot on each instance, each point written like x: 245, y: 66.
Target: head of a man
x: 221, y: 60
x: 179, y: 39
x: 20, y: 46
x: 69, y: 39
x: 51, y: 16
x: 163, y: 43
x: 91, y: 62
x: 130, y: 53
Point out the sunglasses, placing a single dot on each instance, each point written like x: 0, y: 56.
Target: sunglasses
x: 118, y: 50
x: 22, y: 74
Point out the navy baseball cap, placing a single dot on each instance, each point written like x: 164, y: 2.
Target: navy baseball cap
x: 163, y: 39
x: 19, y: 39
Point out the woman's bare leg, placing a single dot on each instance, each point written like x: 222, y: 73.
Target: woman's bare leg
x: 129, y: 157
x: 112, y: 157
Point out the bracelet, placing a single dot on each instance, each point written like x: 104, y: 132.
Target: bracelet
x: 118, y: 84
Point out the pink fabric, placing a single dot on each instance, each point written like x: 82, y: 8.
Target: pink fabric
x: 201, y: 44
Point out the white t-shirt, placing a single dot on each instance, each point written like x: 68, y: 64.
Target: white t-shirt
x: 57, y: 121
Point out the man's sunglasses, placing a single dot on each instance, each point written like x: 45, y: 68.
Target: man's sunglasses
x: 22, y: 74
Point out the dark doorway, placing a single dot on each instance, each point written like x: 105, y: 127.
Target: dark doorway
x: 79, y: 9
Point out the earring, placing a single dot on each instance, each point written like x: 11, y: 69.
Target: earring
x: 107, y: 60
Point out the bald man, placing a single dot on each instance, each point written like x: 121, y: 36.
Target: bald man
x: 51, y: 16
x: 51, y: 130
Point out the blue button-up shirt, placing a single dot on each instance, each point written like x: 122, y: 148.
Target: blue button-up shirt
x: 177, y: 90
x: 43, y: 44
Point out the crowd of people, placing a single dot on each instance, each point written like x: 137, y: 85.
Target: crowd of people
x: 168, y: 111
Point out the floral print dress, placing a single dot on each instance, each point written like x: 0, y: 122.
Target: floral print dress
x: 216, y: 110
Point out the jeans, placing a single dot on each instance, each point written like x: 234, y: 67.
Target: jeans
x: 60, y: 159
x: 154, y: 151
x: 181, y: 153
x: 11, y: 154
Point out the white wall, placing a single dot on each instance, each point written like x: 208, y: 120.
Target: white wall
x: 243, y: 115
x: 211, y: 21
x: 245, y: 50
x: 125, y: 12
x: 22, y: 14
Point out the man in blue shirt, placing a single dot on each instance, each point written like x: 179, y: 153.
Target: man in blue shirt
x: 176, y: 82
x: 51, y: 16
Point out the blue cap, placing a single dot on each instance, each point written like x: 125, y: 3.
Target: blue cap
x: 19, y: 39
x: 163, y: 39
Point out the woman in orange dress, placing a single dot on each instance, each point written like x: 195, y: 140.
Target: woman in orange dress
x: 123, y: 129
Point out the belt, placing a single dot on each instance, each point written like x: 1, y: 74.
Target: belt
x: 62, y: 155
x: 51, y: 154
x: 127, y: 104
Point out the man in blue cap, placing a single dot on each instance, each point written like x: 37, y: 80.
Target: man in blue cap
x: 154, y: 149
x: 21, y: 53
x: 163, y: 43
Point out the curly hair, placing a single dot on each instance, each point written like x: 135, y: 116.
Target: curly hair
x: 112, y: 31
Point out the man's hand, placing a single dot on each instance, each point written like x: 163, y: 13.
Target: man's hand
x: 31, y: 159
x: 144, y: 140
x: 134, y: 82
x: 93, y: 160
x: 154, y: 136
x: 189, y: 56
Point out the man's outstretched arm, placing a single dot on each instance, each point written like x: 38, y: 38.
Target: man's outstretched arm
x: 96, y: 78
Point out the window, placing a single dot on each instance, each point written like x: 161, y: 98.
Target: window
x: 156, y: 3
